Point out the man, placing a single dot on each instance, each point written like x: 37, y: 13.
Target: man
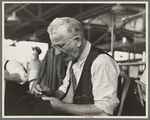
x: 96, y: 72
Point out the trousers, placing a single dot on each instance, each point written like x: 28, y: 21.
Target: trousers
x: 20, y: 102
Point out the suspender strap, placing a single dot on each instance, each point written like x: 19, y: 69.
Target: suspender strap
x: 5, y: 64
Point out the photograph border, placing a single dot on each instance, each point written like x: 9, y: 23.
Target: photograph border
x: 147, y: 58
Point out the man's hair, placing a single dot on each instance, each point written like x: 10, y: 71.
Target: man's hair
x: 73, y: 26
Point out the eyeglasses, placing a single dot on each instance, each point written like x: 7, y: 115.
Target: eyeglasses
x: 61, y: 48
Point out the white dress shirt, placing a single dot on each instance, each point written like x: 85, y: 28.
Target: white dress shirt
x: 104, y: 77
x: 15, y: 67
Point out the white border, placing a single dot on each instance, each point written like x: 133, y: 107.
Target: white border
x: 72, y: 2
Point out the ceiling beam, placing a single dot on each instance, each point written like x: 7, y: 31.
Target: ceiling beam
x: 38, y: 33
x: 36, y: 18
x: 23, y: 6
x: 10, y: 9
x: 100, y: 38
x: 107, y: 46
x: 42, y: 31
x: 134, y: 8
x: 54, y: 9
x: 94, y: 12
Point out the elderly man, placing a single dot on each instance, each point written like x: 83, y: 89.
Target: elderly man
x: 95, y: 73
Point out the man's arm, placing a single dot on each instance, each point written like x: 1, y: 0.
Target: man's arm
x: 88, y: 109
x: 45, y: 90
x: 12, y: 77
x: 75, y: 109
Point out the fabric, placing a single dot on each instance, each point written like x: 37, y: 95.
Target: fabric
x: 33, y: 78
x: 34, y: 68
x: 13, y: 92
x: 16, y: 67
x: 104, y: 77
x: 53, y: 70
x: 19, y: 102
x: 132, y: 105
x: 19, y: 53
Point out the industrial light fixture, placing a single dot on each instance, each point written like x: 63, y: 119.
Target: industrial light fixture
x: 112, y: 28
x: 13, y: 17
x: 34, y: 38
x: 118, y: 9
x: 125, y: 45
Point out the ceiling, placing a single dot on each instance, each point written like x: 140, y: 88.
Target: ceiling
x: 97, y: 20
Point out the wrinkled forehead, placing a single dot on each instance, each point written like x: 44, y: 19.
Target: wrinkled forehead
x: 60, y: 35
x: 62, y: 29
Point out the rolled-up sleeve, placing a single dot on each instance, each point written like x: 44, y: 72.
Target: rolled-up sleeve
x: 105, y: 74
x: 14, y: 67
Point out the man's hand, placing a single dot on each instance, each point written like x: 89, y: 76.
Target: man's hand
x: 55, y: 103
x: 42, y: 89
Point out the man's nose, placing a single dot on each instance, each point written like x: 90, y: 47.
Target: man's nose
x: 57, y: 52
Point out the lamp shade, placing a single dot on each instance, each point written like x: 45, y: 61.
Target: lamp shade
x: 13, y: 17
x: 118, y: 9
x: 34, y: 38
x: 125, y: 45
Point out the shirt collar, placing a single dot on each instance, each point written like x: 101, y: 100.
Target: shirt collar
x: 85, y: 53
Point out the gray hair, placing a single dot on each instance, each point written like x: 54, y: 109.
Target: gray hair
x: 73, y: 26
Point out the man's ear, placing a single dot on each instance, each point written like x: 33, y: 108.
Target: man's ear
x: 78, y: 39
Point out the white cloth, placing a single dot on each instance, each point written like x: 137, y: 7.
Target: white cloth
x: 144, y: 77
x: 33, y: 74
x: 18, y: 53
x: 104, y: 76
x: 15, y: 67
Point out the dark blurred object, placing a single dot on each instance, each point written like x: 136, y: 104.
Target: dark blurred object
x: 125, y: 45
x: 37, y: 49
x: 132, y: 105
x: 123, y: 87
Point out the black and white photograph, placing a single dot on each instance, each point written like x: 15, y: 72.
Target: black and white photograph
x: 75, y: 59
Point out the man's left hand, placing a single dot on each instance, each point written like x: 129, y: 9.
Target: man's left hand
x: 55, y: 103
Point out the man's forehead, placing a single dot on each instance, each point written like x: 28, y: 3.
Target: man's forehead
x: 62, y: 29
x: 57, y: 39
x: 60, y: 37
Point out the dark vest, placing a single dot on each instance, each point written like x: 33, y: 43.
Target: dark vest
x: 83, y: 93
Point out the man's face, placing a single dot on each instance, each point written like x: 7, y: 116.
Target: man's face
x: 65, y: 45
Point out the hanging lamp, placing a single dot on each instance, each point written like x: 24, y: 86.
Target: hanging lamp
x: 34, y: 38
x: 13, y: 17
x: 118, y: 9
x: 125, y: 45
